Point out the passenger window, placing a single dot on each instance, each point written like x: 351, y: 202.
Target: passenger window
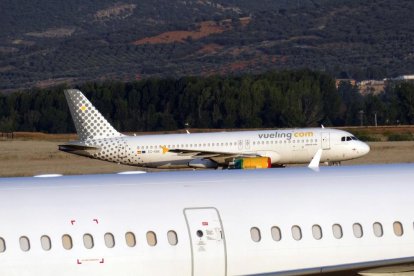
x: 378, y: 231
x: 24, y: 244
x: 337, y: 231
x: 296, y: 233
x: 67, y: 242
x: 88, y: 241
x: 357, y: 229
x: 151, y: 238
x: 317, y: 232
x: 255, y: 234
x: 130, y: 239
x: 2, y: 245
x: 276, y: 233
x: 109, y: 240
x: 46, y: 243
x: 398, y: 229
x: 172, y: 237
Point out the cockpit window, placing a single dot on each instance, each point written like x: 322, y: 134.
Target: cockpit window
x: 348, y: 138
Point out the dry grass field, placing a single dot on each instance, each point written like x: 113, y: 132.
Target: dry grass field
x: 27, y: 156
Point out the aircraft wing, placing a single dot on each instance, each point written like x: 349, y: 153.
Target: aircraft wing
x: 402, y: 267
x: 210, y: 154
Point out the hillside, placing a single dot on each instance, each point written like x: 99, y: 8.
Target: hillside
x: 51, y: 42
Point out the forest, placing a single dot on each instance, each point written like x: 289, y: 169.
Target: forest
x: 276, y: 99
x: 75, y: 41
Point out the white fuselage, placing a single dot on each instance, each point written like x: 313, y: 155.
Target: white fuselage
x: 293, y: 146
x: 206, y: 222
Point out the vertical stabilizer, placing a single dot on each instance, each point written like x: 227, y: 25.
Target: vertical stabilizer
x: 89, y: 122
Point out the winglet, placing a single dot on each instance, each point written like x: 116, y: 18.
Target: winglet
x: 314, y: 164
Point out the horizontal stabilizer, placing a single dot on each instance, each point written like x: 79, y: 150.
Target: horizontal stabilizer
x: 76, y: 146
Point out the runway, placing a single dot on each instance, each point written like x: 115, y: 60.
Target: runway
x: 27, y: 157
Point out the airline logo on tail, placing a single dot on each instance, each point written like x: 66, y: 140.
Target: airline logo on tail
x: 89, y: 122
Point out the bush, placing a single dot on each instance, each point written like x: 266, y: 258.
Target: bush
x: 401, y: 137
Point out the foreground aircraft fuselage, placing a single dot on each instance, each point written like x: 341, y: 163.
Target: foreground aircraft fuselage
x: 99, y: 140
x: 274, y: 222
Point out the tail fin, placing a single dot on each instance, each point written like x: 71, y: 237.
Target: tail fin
x: 89, y: 122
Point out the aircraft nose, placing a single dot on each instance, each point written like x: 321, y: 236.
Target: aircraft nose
x: 364, y: 148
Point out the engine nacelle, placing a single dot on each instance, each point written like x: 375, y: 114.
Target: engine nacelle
x: 253, y: 163
x: 202, y: 164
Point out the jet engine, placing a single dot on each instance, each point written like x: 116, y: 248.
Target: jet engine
x: 252, y: 163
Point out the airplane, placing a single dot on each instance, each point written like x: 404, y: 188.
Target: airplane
x: 296, y: 221
x: 239, y: 149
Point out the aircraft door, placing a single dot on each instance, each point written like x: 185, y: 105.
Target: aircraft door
x: 122, y: 150
x: 240, y: 143
x: 325, y: 143
x: 208, y: 245
x: 247, y: 144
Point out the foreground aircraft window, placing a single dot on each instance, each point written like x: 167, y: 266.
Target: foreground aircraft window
x: 24, y: 243
x: 378, y: 229
x: 88, y: 241
x: 337, y: 231
x: 67, y: 242
x: 398, y: 228
x: 2, y: 245
x: 296, y: 233
x: 130, y: 239
x: 343, y: 139
x: 109, y: 240
x: 317, y: 232
x: 172, y: 237
x: 276, y: 234
x: 255, y: 234
x: 357, y: 228
x: 46, y: 243
x: 151, y: 238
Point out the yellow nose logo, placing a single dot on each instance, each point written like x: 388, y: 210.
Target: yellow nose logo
x: 164, y: 149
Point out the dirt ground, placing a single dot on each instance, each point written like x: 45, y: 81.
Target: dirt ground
x: 22, y: 157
